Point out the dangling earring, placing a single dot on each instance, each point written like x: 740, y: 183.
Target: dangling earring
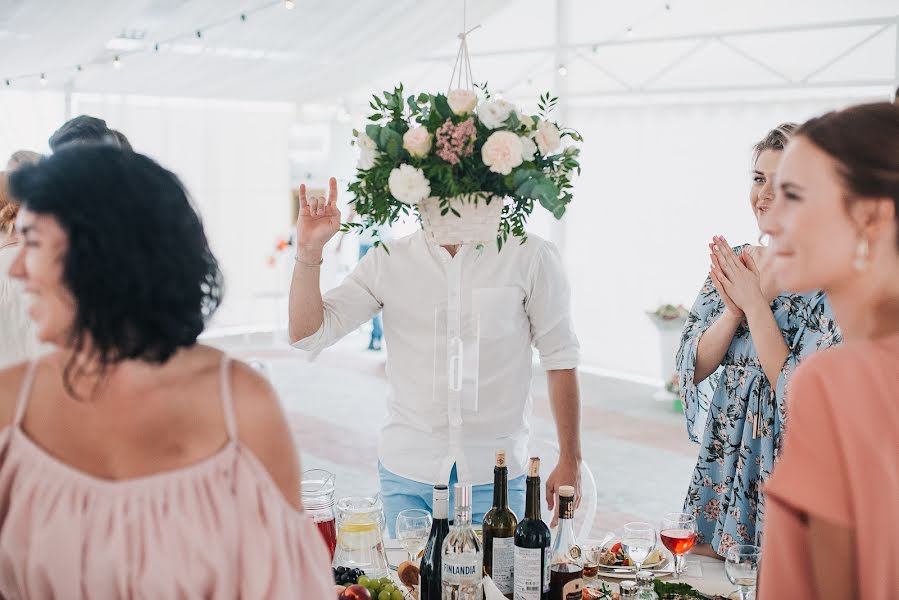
x: 861, y: 254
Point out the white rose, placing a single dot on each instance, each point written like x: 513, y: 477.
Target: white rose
x: 493, y: 114
x: 527, y: 121
x: 547, y: 138
x: 408, y: 184
x: 528, y: 148
x: 366, y: 159
x: 365, y: 142
x: 462, y: 102
x: 368, y: 152
x: 502, y: 152
x: 417, y: 141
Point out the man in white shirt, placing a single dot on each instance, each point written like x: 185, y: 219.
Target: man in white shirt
x: 459, y: 324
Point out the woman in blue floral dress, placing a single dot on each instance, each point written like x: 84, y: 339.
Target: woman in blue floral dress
x: 742, y: 341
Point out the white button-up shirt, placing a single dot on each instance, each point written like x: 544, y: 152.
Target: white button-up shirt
x: 459, y: 332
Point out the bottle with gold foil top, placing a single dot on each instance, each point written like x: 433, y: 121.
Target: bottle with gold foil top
x: 567, y: 564
x: 532, y: 544
x: 499, y: 531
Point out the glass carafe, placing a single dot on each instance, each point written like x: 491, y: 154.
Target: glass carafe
x: 360, y: 540
x: 317, y: 491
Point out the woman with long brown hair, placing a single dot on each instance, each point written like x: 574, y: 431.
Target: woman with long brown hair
x: 833, y: 524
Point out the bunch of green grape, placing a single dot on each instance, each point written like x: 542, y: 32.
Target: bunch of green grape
x: 381, y: 589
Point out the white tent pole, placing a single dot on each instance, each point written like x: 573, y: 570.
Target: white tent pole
x: 896, y: 80
x: 883, y: 21
x: 558, y: 234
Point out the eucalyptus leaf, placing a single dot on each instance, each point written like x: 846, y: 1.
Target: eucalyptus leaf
x: 442, y: 107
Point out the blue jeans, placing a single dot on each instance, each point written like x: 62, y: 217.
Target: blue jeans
x: 400, y: 493
x: 377, y: 331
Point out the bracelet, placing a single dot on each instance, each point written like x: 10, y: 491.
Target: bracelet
x: 320, y: 262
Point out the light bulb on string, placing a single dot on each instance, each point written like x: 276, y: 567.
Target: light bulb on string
x: 7, y: 83
x: 243, y: 18
x: 668, y: 6
x: 199, y: 34
x: 630, y: 32
x: 79, y: 68
x: 289, y: 4
x: 43, y: 79
x: 155, y: 47
x: 117, y: 62
x: 563, y: 71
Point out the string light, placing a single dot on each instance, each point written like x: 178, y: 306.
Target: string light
x: 668, y: 6
x: 630, y: 32
x: 563, y: 71
x: 158, y: 46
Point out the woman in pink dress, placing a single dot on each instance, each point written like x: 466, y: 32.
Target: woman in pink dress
x: 134, y: 462
x: 833, y: 501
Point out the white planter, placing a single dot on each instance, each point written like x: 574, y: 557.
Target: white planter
x: 478, y: 223
x: 670, y: 331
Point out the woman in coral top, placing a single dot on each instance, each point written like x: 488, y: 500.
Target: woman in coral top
x: 135, y: 462
x: 833, y: 501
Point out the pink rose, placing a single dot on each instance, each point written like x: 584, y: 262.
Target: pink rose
x: 502, y: 152
x: 548, y: 138
x: 462, y: 102
x: 417, y: 141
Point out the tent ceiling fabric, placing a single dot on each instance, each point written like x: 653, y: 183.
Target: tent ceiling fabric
x: 325, y: 49
x: 317, y: 48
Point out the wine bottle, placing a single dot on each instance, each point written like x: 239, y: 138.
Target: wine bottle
x: 567, y: 566
x: 462, y: 561
x: 499, y: 531
x: 532, y: 544
x: 429, y: 585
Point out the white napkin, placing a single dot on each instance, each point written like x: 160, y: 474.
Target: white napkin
x: 491, y: 592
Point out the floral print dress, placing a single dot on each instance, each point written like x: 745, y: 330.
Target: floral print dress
x: 737, y: 416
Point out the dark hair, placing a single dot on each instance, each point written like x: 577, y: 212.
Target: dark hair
x: 864, y: 139
x: 776, y: 139
x: 138, y: 263
x: 84, y: 129
x: 121, y: 140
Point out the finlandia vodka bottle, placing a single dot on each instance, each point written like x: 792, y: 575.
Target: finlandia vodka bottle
x: 462, y: 555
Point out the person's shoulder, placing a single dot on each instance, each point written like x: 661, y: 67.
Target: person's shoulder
x: 831, y: 364
x: 262, y: 427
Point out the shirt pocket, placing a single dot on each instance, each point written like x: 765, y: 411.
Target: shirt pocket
x: 496, y: 311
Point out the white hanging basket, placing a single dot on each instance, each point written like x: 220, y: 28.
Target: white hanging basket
x: 478, y: 222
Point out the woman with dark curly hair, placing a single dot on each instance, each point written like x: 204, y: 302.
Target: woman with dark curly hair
x: 135, y: 462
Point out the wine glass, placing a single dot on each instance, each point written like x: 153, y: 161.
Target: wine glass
x: 638, y: 541
x: 413, y: 526
x: 678, y: 534
x: 742, y: 567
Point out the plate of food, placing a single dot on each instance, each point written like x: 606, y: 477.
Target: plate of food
x: 614, y: 558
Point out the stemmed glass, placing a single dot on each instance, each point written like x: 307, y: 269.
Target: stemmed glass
x: 678, y: 534
x: 742, y: 567
x: 412, y: 529
x: 638, y: 541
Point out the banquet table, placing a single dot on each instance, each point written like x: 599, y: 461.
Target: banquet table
x: 703, y: 573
